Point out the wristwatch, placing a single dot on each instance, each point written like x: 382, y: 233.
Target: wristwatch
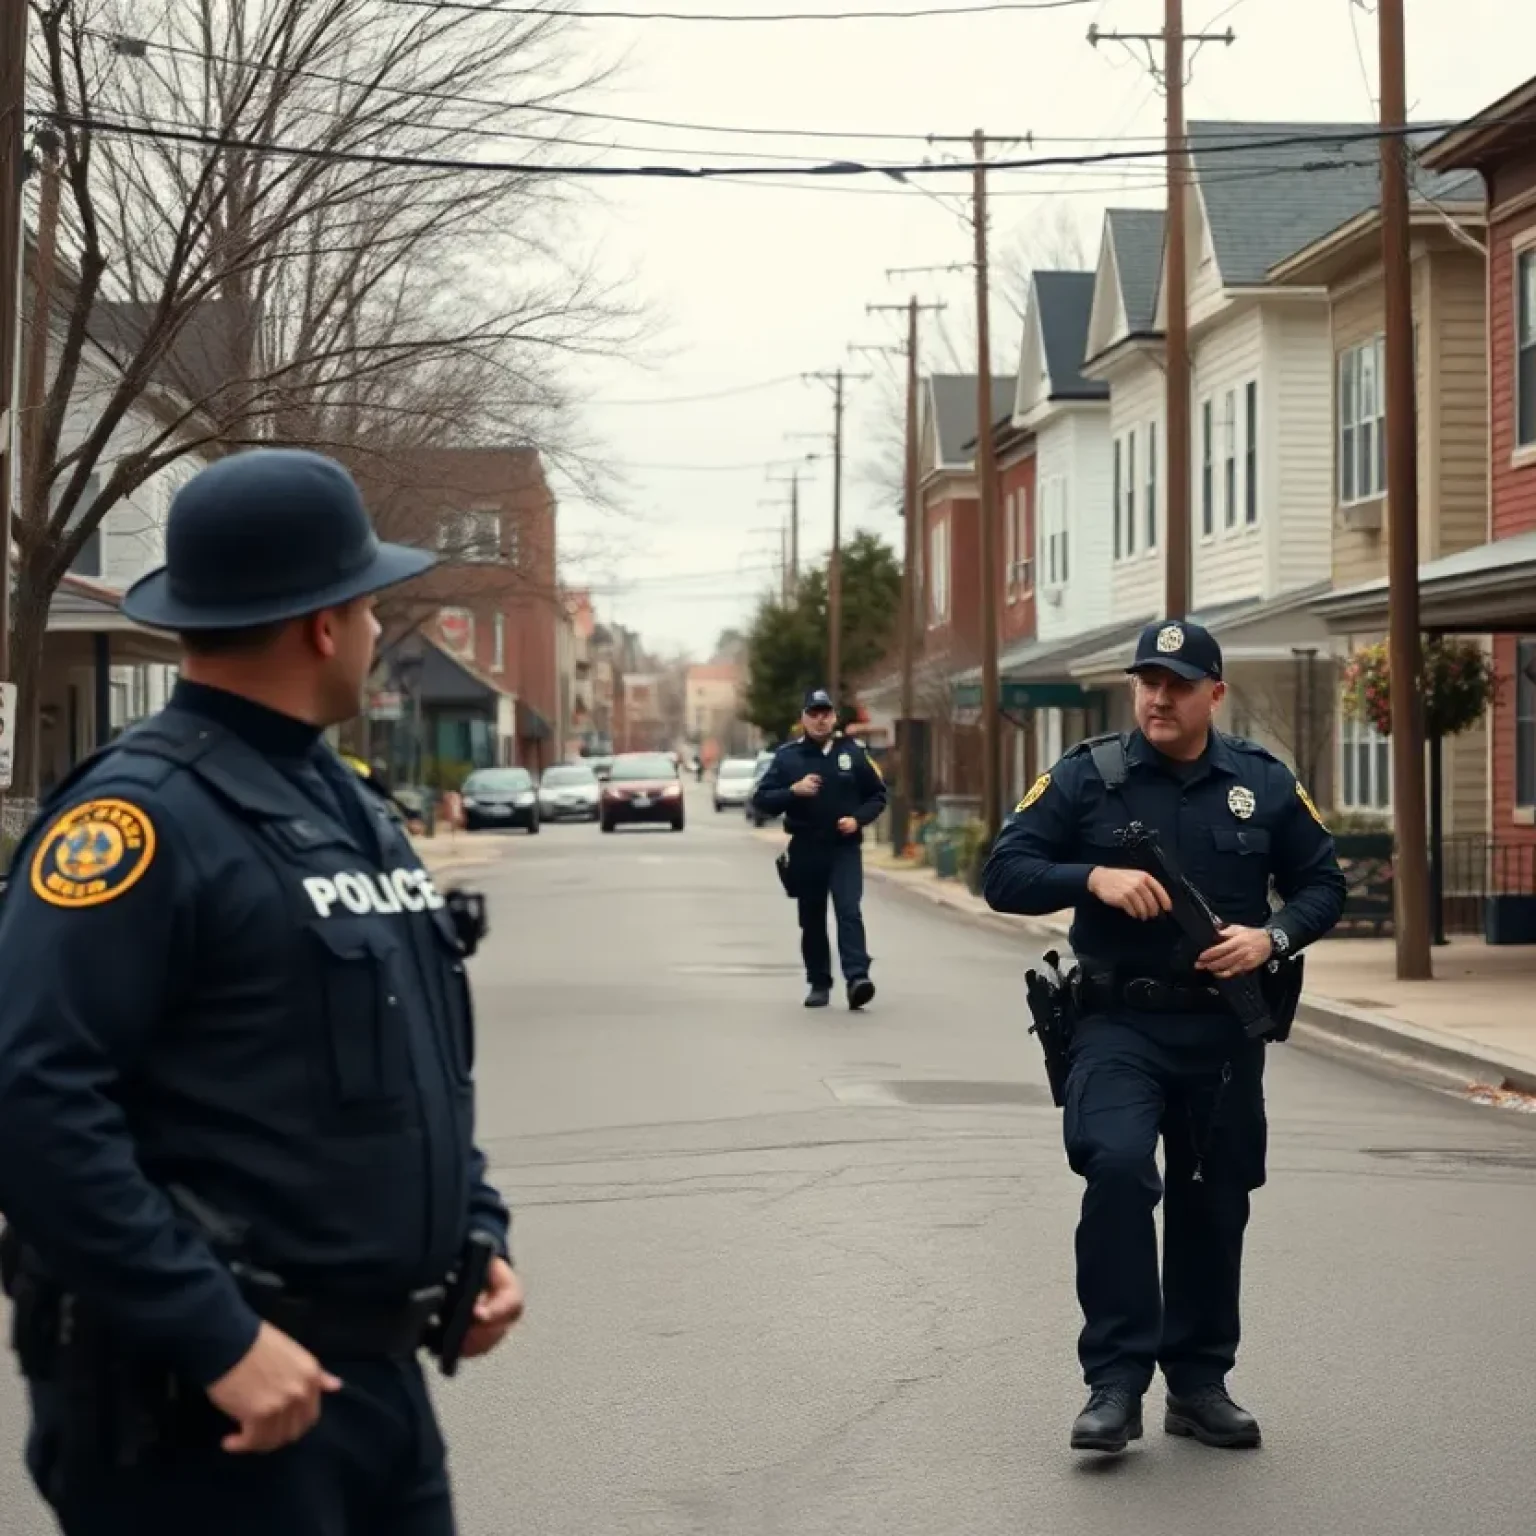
x: 1279, y: 939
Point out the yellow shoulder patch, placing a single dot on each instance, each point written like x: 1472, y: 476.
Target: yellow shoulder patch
x: 876, y: 766
x: 1036, y: 789
x: 93, y: 854
x: 1312, y: 810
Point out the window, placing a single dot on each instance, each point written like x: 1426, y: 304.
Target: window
x: 1525, y: 349
x: 1251, y: 453
x: 89, y: 561
x: 1525, y: 723
x: 499, y: 643
x: 1365, y: 768
x: 1119, y: 513
x: 471, y: 537
x: 938, y: 573
x: 1362, y: 422
x: 1011, y: 545
x: 1207, y: 469
x: 1130, y: 494
x: 1229, y: 461
x: 457, y: 626
x: 1053, y: 531
x: 1150, y: 499
x: 1024, y: 542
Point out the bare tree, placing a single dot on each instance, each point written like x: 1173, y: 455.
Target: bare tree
x: 1052, y: 241
x: 1291, y: 712
x: 282, y: 220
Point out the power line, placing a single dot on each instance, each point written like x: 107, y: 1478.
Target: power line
x: 989, y: 7
x: 720, y: 394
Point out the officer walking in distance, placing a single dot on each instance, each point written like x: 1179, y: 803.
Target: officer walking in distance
x: 1157, y: 1051
x: 237, y: 1161
x: 828, y: 789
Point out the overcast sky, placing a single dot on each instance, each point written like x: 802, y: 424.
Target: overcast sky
x: 750, y: 283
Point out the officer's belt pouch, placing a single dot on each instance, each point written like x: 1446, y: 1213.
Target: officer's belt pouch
x: 784, y: 865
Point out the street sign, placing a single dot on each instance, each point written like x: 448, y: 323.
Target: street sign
x: 385, y: 705
x: 7, y: 732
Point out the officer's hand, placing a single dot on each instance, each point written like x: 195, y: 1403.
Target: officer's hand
x: 273, y: 1394
x: 807, y: 786
x: 848, y: 826
x: 1241, y: 950
x: 1133, y: 891
x: 499, y: 1307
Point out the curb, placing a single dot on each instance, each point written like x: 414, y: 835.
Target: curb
x: 1372, y: 1041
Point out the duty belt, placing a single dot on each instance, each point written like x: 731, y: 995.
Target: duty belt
x: 1150, y: 994
x: 344, y: 1328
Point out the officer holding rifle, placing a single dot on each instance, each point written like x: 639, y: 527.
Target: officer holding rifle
x: 1166, y: 843
x: 237, y: 1163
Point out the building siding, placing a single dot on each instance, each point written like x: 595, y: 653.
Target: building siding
x: 1296, y: 448
x: 1138, y: 395
x: 1229, y: 564
x: 1206, y: 292
x: 1459, y: 400
x: 1075, y: 445
x: 1514, y: 485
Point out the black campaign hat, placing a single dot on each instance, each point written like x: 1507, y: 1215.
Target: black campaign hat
x: 1187, y: 650
x: 817, y: 698
x: 263, y: 536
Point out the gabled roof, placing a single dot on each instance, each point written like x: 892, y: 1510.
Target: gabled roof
x: 1136, y: 237
x: 1507, y: 127
x: 952, y: 413
x: 1265, y: 200
x: 1065, y: 301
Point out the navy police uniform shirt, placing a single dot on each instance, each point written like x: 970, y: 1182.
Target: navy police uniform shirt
x: 851, y: 785
x: 224, y: 968
x: 1234, y: 818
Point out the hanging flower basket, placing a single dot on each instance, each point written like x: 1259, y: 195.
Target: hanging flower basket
x: 1457, y: 683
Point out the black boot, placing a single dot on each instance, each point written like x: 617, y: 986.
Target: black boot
x: 818, y: 997
x: 1210, y: 1416
x: 1110, y: 1422
x: 861, y: 990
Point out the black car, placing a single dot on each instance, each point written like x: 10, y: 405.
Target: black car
x: 500, y: 797
x: 643, y: 787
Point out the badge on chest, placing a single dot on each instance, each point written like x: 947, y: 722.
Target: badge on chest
x: 366, y: 893
x: 1241, y: 801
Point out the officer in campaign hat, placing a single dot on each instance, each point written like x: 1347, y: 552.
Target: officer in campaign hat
x: 1157, y: 1049
x: 237, y: 1160
x: 828, y: 789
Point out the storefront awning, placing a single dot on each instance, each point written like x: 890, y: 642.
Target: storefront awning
x: 1488, y: 589
x: 446, y: 680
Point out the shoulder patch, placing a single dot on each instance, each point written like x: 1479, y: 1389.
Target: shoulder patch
x: 1312, y: 810
x: 92, y: 853
x: 1036, y: 789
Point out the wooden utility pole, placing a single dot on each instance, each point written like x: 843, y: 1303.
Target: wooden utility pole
x: 906, y: 785
x: 13, y: 161
x: 838, y: 379
x: 35, y: 376
x: 1178, y: 539
x: 1410, y: 858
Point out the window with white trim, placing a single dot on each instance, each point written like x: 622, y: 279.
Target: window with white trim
x: 1525, y: 349
x: 1053, y: 531
x: 1365, y: 767
x: 1229, y: 461
x: 1024, y: 542
x: 1207, y: 470
x: 499, y: 642
x: 1011, y: 546
x: 1117, y: 502
x: 1362, y: 422
x: 1251, y: 452
x: 938, y: 574
x: 1525, y: 723
x: 1150, y: 501
x: 1130, y: 493
x: 472, y: 537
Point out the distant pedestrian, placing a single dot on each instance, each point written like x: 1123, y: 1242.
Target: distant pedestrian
x: 1157, y: 1051
x: 828, y: 789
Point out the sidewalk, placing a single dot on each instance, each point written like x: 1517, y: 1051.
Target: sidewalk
x: 453, y: 852
x: 1473, y: 1027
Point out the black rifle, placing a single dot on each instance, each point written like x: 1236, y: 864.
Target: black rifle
x: 458, y: 1312
x: 1245, y: 995
x: 1054, y: 1006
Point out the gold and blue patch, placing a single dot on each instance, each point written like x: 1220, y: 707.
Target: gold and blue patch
x: 93, y: 854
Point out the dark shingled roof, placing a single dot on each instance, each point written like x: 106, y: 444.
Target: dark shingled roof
x: 196, y: 367
x: 1065, y: 300
x: 954, y: 406
x: 1136, y: 237
x: 1268, y: 201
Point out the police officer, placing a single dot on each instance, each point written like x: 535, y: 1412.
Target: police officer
x: 1157, y: 1052
x: 827, y: 789
x: 237, y: 1159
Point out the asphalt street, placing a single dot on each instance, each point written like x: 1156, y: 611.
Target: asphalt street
x: 809, y: 1274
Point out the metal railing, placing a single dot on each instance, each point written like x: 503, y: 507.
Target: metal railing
x: 1476, y: 870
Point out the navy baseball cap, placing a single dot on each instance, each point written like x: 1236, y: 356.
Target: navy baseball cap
x: 818, y: 698
x: 1187, y: 650
x: 263, y: 536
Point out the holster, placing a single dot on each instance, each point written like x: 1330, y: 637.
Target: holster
x: 1282, y: 982
x: 467, y: 909
x: 1055, y: 1006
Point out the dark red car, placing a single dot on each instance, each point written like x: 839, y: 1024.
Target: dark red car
x: 642, y: 787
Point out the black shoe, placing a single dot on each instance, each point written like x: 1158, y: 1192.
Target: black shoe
x: 1110, y: 1422
x: 818, y: 997
x: 861, y: 990
x: 1208, y: 1415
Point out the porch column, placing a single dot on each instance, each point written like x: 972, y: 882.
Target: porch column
x: 101, y: 645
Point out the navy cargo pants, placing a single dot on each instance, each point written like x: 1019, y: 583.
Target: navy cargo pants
x: 1202, y: 1090
x: 374, y: 1465
x: 835, y: 870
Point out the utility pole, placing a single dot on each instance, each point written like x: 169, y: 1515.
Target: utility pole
x: 794, y: 522
x: 35, y: 376
x: 839, y: 378
x: 13, y: 161
x: 906, y: 787
x: 1403, y: 642
x: 1178, y: 540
